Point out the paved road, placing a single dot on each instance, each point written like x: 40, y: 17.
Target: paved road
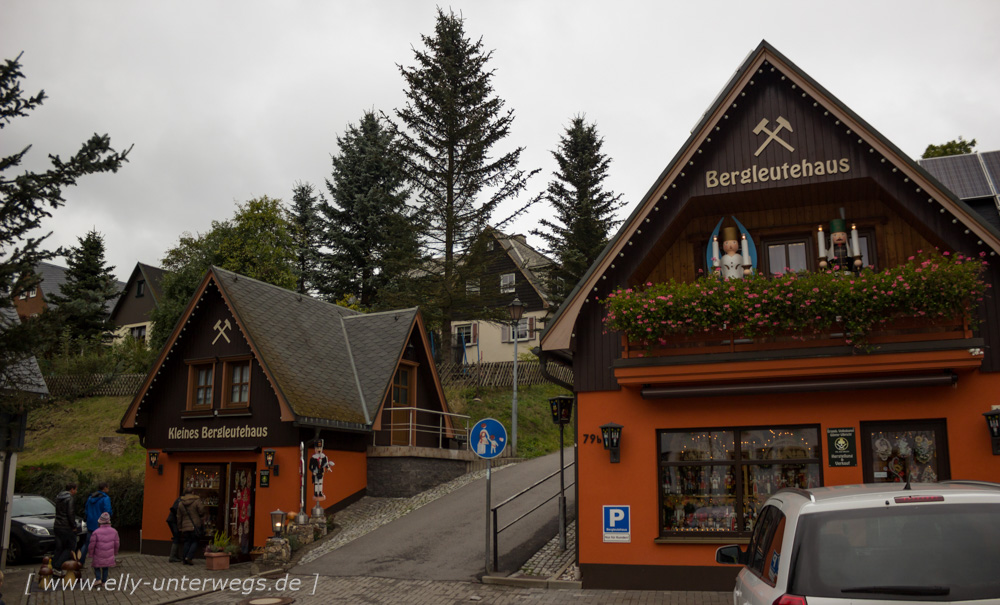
x: 444, y: 540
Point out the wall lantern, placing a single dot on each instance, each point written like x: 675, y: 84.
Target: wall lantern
x: 562, y: 409
x: 154, y: 456
x: 993, y: 423
x: 611, y: 433
x: 269, y: 461
x: 277, y: 522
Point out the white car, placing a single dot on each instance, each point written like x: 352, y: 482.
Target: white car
x: 873, y: 544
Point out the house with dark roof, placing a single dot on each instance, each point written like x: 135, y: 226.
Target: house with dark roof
x: 140, y: 295
x: 51, y: 279
x: 974, y: 178
x: 263, y: 398
x: 706, y: 378
x: 513, y: 270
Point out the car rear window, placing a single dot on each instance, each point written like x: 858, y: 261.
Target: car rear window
x: 923, y: 552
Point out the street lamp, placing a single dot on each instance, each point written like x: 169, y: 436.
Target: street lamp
x: 562, y: 413
x: 516, y: 310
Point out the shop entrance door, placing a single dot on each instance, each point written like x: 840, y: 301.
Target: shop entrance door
x: 242, y: 488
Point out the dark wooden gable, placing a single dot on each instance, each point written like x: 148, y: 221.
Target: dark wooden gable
x: 666, y: 236
x: 209, y: 334
x: 134, y: 307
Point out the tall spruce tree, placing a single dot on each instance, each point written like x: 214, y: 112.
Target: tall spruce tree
x: 308, y: 235
x: 81, y: 305
x: 452, y: 125
x: 25, y: 200
x: 369, y: 227
x: 584, y: 211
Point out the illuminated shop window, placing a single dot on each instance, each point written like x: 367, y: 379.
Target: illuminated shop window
x: 710, y: 486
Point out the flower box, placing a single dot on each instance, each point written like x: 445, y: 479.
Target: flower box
x: 216, y: 560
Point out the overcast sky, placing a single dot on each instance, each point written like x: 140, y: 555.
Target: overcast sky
x: 227, y: 101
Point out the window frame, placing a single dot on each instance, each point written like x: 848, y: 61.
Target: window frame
x: 526, y: 326
x: 193, y: 386
x: 473, y: 332
x: 508, y: 288
x: 738, y: 463
x: 941, y: 453
x: 142, y: 332
x: 140, y: 288
x: 227, y: 382
x: 764, y: 258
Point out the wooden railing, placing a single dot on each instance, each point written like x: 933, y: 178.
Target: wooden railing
x: 499, y: 374
x: 908, y: 329
x: 94, y: 385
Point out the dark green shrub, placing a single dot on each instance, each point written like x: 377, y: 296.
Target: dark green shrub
x: 125, y: 490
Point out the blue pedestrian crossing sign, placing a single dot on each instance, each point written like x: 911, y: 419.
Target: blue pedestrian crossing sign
x: 617, y: 526
x: 488, y: 438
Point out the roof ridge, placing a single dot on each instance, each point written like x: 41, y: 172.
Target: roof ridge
x: 217, y: 269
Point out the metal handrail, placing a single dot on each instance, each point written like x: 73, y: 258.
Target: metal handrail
x: 412, y: 427
x: 495, y: 510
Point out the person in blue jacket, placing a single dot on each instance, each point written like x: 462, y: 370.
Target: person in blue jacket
x: 98, y: 502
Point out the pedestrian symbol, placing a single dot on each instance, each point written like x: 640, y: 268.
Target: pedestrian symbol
x: 488, y: 438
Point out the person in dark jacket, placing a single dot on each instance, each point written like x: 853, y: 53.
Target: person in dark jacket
x: 64, y: 527
x: 191, y: 522
x: 176, y: 538
x: 98, y: 503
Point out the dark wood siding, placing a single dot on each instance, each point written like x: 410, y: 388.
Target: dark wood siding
x: 133, y: 309
x: 875, y: 196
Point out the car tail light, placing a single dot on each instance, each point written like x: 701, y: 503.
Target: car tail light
x: 912, y: 499
x: 790, y: 599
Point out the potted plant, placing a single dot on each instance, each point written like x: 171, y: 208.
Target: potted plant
x: 219, y: 551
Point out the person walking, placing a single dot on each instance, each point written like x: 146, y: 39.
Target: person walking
x: 98, y: 503
x: 191, y: 521
x: 104, y: 545
x: 64, y: 527
x: 176, y: 539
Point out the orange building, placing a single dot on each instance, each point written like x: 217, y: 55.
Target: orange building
x: 715, y: 418
x: 251, y: 379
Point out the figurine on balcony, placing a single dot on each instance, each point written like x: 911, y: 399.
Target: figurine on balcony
x: 841, y: 254
x: 740, y: 256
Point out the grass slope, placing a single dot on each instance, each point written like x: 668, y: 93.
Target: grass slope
x: 68, y: 433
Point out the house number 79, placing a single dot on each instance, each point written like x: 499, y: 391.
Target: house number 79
x: 591, y: 438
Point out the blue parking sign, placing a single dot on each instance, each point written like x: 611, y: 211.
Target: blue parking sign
x: 617, y: 526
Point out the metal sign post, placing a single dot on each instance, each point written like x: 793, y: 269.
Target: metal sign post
x: 488, y: 440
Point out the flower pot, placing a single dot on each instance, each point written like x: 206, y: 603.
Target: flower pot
x: 216, y: 560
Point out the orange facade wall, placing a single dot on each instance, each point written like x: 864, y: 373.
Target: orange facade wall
x: 634, y: 480
x: 348, y: 477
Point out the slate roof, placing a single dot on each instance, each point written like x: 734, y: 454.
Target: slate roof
x: 327, y: 362
x: 974, y: 178
x: 53, y: 277
x: 26, y: 374
x: 154, y: 279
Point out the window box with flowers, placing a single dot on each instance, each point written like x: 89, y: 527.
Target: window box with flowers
x: 930, y: 297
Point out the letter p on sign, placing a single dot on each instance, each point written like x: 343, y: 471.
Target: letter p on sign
x: 617, y: 526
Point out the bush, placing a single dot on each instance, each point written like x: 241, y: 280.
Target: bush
x: 125, y: 490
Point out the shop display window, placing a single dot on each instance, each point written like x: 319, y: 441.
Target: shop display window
x: 208, y: 481
x: 709, y: 486
x: 915, y: 450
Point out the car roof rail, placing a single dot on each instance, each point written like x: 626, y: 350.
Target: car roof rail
x: 798, y: 490
x: 989, y: 484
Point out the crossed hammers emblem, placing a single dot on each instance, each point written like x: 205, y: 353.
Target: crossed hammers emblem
x: 221, y: 327
x: 772, y: 135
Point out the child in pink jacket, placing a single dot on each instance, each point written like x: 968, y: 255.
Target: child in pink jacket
x: 103, y: 548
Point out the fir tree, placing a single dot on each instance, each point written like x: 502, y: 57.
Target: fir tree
x: 369, y: 228
x: 25, y: 200
x: 82, y: 303
x: 584, y: 211
x: 307, y: 234
x: 453, y: 123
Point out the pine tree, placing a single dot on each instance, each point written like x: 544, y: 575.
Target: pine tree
x: 81, y: 305
x: 307, y: 233
x: 25, y: 200
x: 584, y: 211
x: 453, y: 123
x: 369, y: 228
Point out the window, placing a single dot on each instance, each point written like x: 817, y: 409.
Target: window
x: 506, y: 283
x: 24, y: 296
x: 894, y: 451
x: 140, y: 288
x: 237, y: 380
x: 466, y: 334
x: 138, y: 332
x: 525, y: 330
x: 32, y: 292
x: 489, y: 246
x: 201, y: 382
x: 765, y: 546
x: 472, y: 287
x: 709, y: 484
x: 787, y: 255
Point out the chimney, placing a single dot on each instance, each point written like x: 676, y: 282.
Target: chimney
x: 520, y: 238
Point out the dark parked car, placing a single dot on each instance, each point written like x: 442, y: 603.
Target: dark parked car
x: 31, y: 535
